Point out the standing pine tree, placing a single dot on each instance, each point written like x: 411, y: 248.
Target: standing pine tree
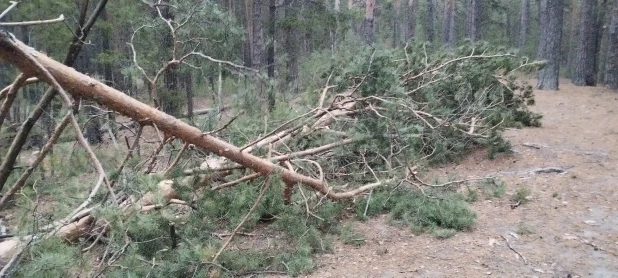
x: 551, y: 12
x: 523, y: 24
x: 611, y: 68
x: 585, y: 68
x: 430, y: 27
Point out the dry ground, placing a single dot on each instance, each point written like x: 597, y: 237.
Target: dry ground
x: 572, y: 219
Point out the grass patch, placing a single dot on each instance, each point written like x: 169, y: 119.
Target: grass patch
x: 522, y: 195
x: 492, y: 188
x: 350, y: 236
x: 422, y: 213
x: 524, y: 229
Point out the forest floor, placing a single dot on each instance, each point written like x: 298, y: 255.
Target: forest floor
x: 569, y: 228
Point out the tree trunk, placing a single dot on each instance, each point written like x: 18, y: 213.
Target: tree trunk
x: 270, y: 53
x: 585, y: 69
x: 550, y: 42
x: 473, y: 10
x: 431, y: 23
x: 411, y: 20
x: 396, y: 22
x: 611, y: 67
x: 448, y: 29
x: 523, y: 23
x: 188, y: 87
x: 257, y: 38
x: 291, y: 43
x: 170, y: 77
x: 368, y: 28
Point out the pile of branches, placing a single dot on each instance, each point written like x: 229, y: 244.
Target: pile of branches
x: 385, y: 112
x: 380, y: 115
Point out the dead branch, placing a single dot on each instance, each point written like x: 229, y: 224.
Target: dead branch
x: 10, y: 97
x: 413, y: 174
x: 6, y: 11
x: 6, y: 89
x: 175, y: 162
x: 24, y: 130
x: 257, y: 202
x: 129, y: 153
x: 235, y: 182
x: 42, y: 154
x: 548, y: 170
x: 36, y: 22
x: 512, y: 249
x: 45, y: 74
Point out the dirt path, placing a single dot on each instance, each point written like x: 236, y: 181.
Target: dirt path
x: 572, y: 218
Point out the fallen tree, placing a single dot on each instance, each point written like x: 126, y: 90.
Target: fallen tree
x: 83, y: 86
x: 378, y: 117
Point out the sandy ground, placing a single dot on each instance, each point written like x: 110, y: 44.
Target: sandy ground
x: 572, y: 219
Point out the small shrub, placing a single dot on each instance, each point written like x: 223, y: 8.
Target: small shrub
x: 443, y: 233
x: 522, y: 195
x: 524, y: 229
x: 493, y: 188
x: 350, y: 236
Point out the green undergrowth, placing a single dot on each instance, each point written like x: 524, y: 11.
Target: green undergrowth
x: 276, y: 237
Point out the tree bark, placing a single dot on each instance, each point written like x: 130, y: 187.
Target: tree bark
x: 431, y: 26
x: 611, y: 67
x: 270, y: 53
x: 188, y: 87
x: 473, y: 10
x: 448, y: 28
x: 368, y: 24
x: 549, y: 44
x: 585, y: 68
x: 257, y: 37
x: 396, y: 23
x: 83, y: 86
x: 171, y: 75
x: 411, y: 20
x: 291, y: 43
x: 523, y: 24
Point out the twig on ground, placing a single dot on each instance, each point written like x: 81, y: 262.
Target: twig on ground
x: 548, y: 170
x: 534, y: 145
x: 511, y: 247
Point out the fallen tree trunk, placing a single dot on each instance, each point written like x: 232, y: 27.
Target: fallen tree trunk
x: 82, y: 86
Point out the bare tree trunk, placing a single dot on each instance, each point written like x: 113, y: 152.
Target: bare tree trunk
x: 411, y: 20
x: 396, y: 22
x: 448, y: 29
x: 550, y: 42
x: 257, y: 37
x: 291, y: 42
x: 430, y: 28
x: 611, y: 67
x: 523, y: 23
x: 188, y: 87
x: 171, y: 75
x: 585, y: 70
x: 270, y: 53
x: 248, y: 44
x: 368, y: 24
x: 473, y: 10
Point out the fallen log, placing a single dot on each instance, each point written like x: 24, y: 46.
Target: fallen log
x: 81, y: 86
